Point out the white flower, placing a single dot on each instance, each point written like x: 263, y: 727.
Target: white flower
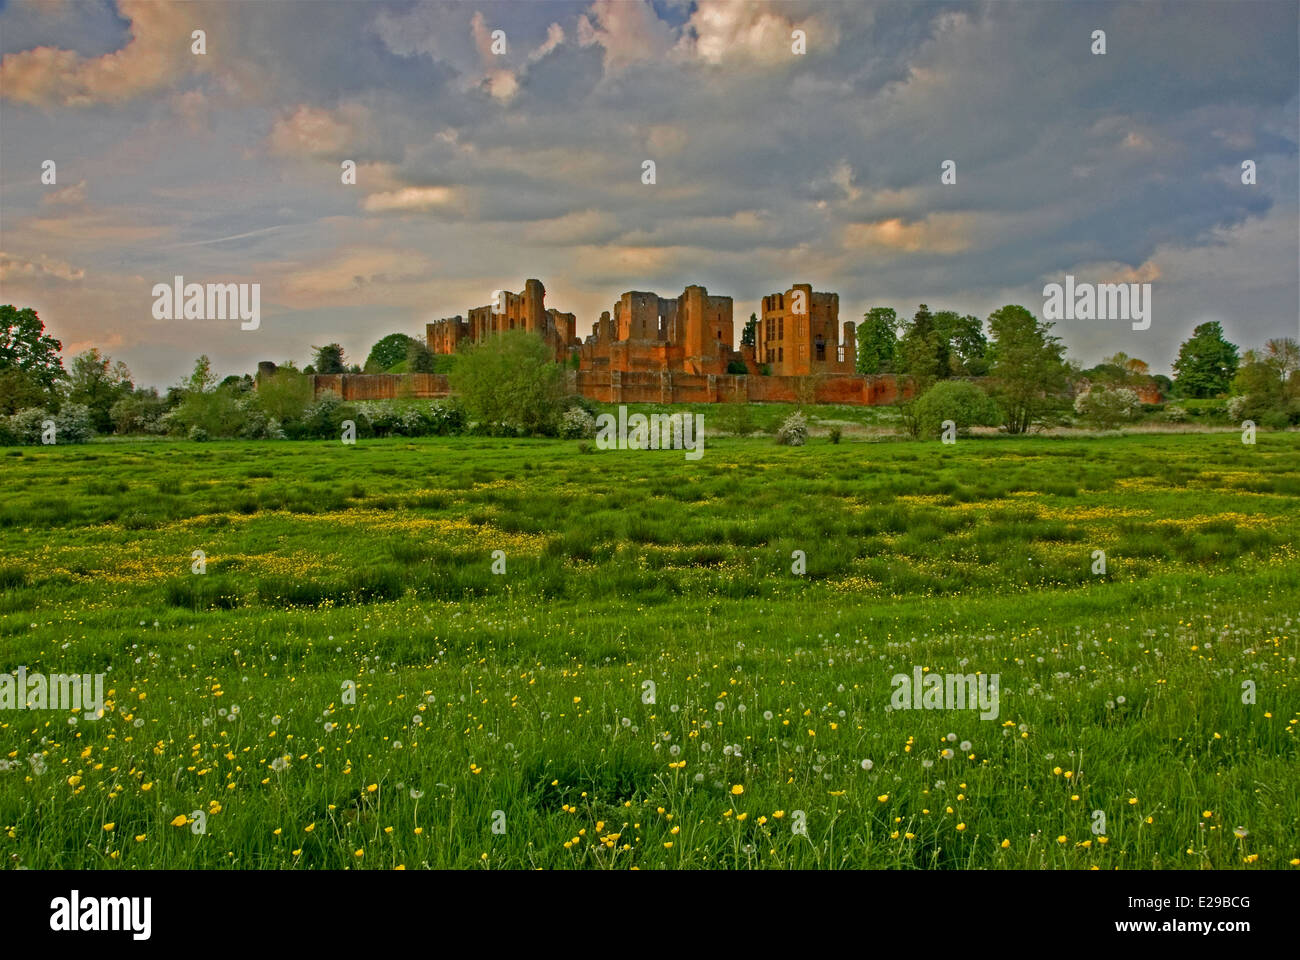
x: 867, y: 764
x: 965, y: 746
x: 279, y: 764
x: 719, y: 706
x: 767, y: 714
x: 947, y: 754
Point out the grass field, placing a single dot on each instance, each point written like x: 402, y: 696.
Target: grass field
x: 500, y: 719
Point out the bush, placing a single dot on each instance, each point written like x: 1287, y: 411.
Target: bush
x: 1175, y: 414
x: 72, y: 423
x: 198, y: 434
x: 382, y: 415
x: 447, y: 418
x: 1274, y: 419
x: 324, y: 418
x: 222, y: 412
x: 962, y: 402
x: 512, y: 379
x: 1237, y: 407
x: 794, y: 432
x: 26, y: 426
x: 138, y: 412
x: 835, y: 434
x: 586, y: 403
x: 1107, y: 407
x: 284, y: 395
x: 577, y: 424
x: 737, y: 368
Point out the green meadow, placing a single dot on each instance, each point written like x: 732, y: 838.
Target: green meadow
x: 486, y: 653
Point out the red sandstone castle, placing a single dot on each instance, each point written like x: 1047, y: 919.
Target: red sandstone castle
x: 654, y: 349
x: 798, y: 334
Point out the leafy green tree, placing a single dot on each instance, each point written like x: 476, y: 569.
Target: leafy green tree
x: 1206, y: 363
x: 329, y: 359
x: 202, y: 379
x: 1257, y: 380
x: 95, y: 381
x: 285, y: 394
x: 1027, y: 365
x: 749, y: 336
x: 419, y: 358
x: 24, y: 346
x: 19, y: 390
x: 1283, y: 355
x: 511, y: 380
x: 923, y: 353
x: 963, y: 337
x: 877, y: 341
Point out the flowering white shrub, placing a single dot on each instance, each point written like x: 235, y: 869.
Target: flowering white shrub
x: 1107, y: 407
x: 794, y: 432
x: 577, y: 424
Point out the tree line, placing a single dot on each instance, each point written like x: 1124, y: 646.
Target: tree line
x: 1015, y: 376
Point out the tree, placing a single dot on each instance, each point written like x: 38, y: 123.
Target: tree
x: 1283, y: 355
x: 19, y: 390
x: 511, y: 381
x: 24, y: 346
x: 749, y: 336
x: 1206, y: 362
x: 419, y: 358
x: 1257, y: 380
x: 923, y: 353
x: 329, y: 359
x: 98, y: 383
x: 877, y: 339
x: 202, y: 379
x: 965, y: 343
x: 388, y: 352
x: 1027, y: 366
x: 285, y: 394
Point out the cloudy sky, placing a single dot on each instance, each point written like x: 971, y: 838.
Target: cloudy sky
x: 477, y: 170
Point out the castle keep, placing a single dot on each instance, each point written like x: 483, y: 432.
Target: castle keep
x: 799, y: 334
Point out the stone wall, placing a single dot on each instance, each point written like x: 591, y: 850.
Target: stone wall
x: 381, y: 386
x: 615, y: 386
